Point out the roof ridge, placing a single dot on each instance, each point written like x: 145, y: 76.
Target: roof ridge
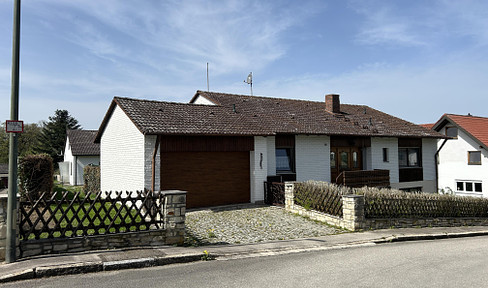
x: 272, y: 98
x: 470, y: 116
x: 165, y: 102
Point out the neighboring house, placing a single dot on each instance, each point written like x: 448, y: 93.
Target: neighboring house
x: 222, y: 147
x: 462, y: 160
x: 80, y: 150
x: 3, y: 176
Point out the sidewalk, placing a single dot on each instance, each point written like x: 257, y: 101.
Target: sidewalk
x: 96, y: 261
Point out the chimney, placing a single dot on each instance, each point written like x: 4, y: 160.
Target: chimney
x: 332, y: 103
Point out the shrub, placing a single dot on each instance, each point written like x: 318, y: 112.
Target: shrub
x: 91, y: 179
x: 36, y: 175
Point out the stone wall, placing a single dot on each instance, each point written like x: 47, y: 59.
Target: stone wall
x: 172, y: 233
x: 353, y: 216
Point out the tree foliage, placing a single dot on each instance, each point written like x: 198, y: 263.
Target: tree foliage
x: 53, y: 135
x: 27, y: 141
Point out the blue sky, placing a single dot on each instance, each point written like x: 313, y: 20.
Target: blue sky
x: 413, y: 59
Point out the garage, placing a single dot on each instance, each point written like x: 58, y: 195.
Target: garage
x: 210, y: 177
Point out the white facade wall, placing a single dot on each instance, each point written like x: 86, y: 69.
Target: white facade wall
x: 259, y: 168
x: 203, y: 101
x: 453, y: 164
x: 312, y: 157
x: 149, y: 144
x: 271, y: 152
x: 375, y: 156
x: 121, y: 155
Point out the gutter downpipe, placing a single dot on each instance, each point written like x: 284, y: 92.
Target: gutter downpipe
x: 436, y: 158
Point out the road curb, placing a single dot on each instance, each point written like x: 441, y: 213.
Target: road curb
x: 404, y: 238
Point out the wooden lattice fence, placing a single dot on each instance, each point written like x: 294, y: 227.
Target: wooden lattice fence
x: 422, y: 205
x: 66, y: 214
x: 320, y: 196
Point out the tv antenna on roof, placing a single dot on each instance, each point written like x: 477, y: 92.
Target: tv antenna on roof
x: 249, y: 80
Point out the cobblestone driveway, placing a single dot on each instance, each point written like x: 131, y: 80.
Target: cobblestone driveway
x: 250, y: 224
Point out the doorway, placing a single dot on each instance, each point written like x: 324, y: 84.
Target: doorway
x: 344, y: 159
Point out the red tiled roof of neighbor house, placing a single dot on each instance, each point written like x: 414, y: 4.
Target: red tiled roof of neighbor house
x: 253, y: 115
x: 476, y: 126
x: 428, y: 126
x: 82, y: 142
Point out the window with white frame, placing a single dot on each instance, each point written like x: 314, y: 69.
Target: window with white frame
x: 469, y: 186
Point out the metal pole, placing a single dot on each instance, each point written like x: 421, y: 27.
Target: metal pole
x: 10, y: 253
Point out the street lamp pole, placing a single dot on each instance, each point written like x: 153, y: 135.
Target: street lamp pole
x: 10, y: 253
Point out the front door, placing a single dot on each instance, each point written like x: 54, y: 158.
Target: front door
x: 344, y: 159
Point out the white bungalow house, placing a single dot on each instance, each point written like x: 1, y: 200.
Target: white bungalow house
x: 220, y: 148
x: 80, y: 150
x: 462, y: 160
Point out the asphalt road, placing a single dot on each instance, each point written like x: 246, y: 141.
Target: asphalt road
x: 461, y: 262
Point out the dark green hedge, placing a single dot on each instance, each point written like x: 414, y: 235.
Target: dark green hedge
x: 36, y: 174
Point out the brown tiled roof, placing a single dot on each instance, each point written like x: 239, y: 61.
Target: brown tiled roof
x: 255, y: 115
x: 82, y: 142
x: 428, y: 125
x: 310, y: 117
x: 475, y: 126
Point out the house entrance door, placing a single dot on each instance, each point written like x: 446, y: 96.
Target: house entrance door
x: 344, y: 159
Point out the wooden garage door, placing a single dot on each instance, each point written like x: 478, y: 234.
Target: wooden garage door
x: 210, y: 178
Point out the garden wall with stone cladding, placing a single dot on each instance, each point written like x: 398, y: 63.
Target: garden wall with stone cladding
x: 172, y: 233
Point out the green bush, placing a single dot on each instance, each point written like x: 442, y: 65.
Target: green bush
x: 36, y: 176
x: 91, y: 179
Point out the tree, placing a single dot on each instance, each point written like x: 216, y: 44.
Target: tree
x: 53, y: 135
x: 27, y: 141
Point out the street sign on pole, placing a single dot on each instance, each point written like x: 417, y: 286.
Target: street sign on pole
x: 14, y: 126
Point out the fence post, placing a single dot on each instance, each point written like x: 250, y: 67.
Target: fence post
x: 289, y: 202
x: 353, y: 211
x: 174, y: 212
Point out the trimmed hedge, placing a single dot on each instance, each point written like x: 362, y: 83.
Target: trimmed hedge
x: 36, y: 176
x: 91, y: 179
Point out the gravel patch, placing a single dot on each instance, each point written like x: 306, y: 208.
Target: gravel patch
x: 251, y: 224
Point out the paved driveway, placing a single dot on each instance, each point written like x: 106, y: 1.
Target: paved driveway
x: 250, y: 224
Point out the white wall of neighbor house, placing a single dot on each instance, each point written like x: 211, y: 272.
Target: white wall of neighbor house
x: 81, y: 162
x: 312, y: 157
x: 259, y: 168
x: 453, y: 165
x: 375, y: 159
x: 69, y: 158
x: 121, y: 154
x: 149, y: 143
x: 202, y: 101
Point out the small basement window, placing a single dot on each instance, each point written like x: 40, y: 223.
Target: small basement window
x: 469, y: 186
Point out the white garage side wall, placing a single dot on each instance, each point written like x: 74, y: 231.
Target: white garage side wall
x: 149, y: 142
x: 81, y: 162
x: 121, y: 155
x: 271, y: 155
x: 453, y: 164
x: 259, y: 169
x: 376, y: 156
x: 312, y: 156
